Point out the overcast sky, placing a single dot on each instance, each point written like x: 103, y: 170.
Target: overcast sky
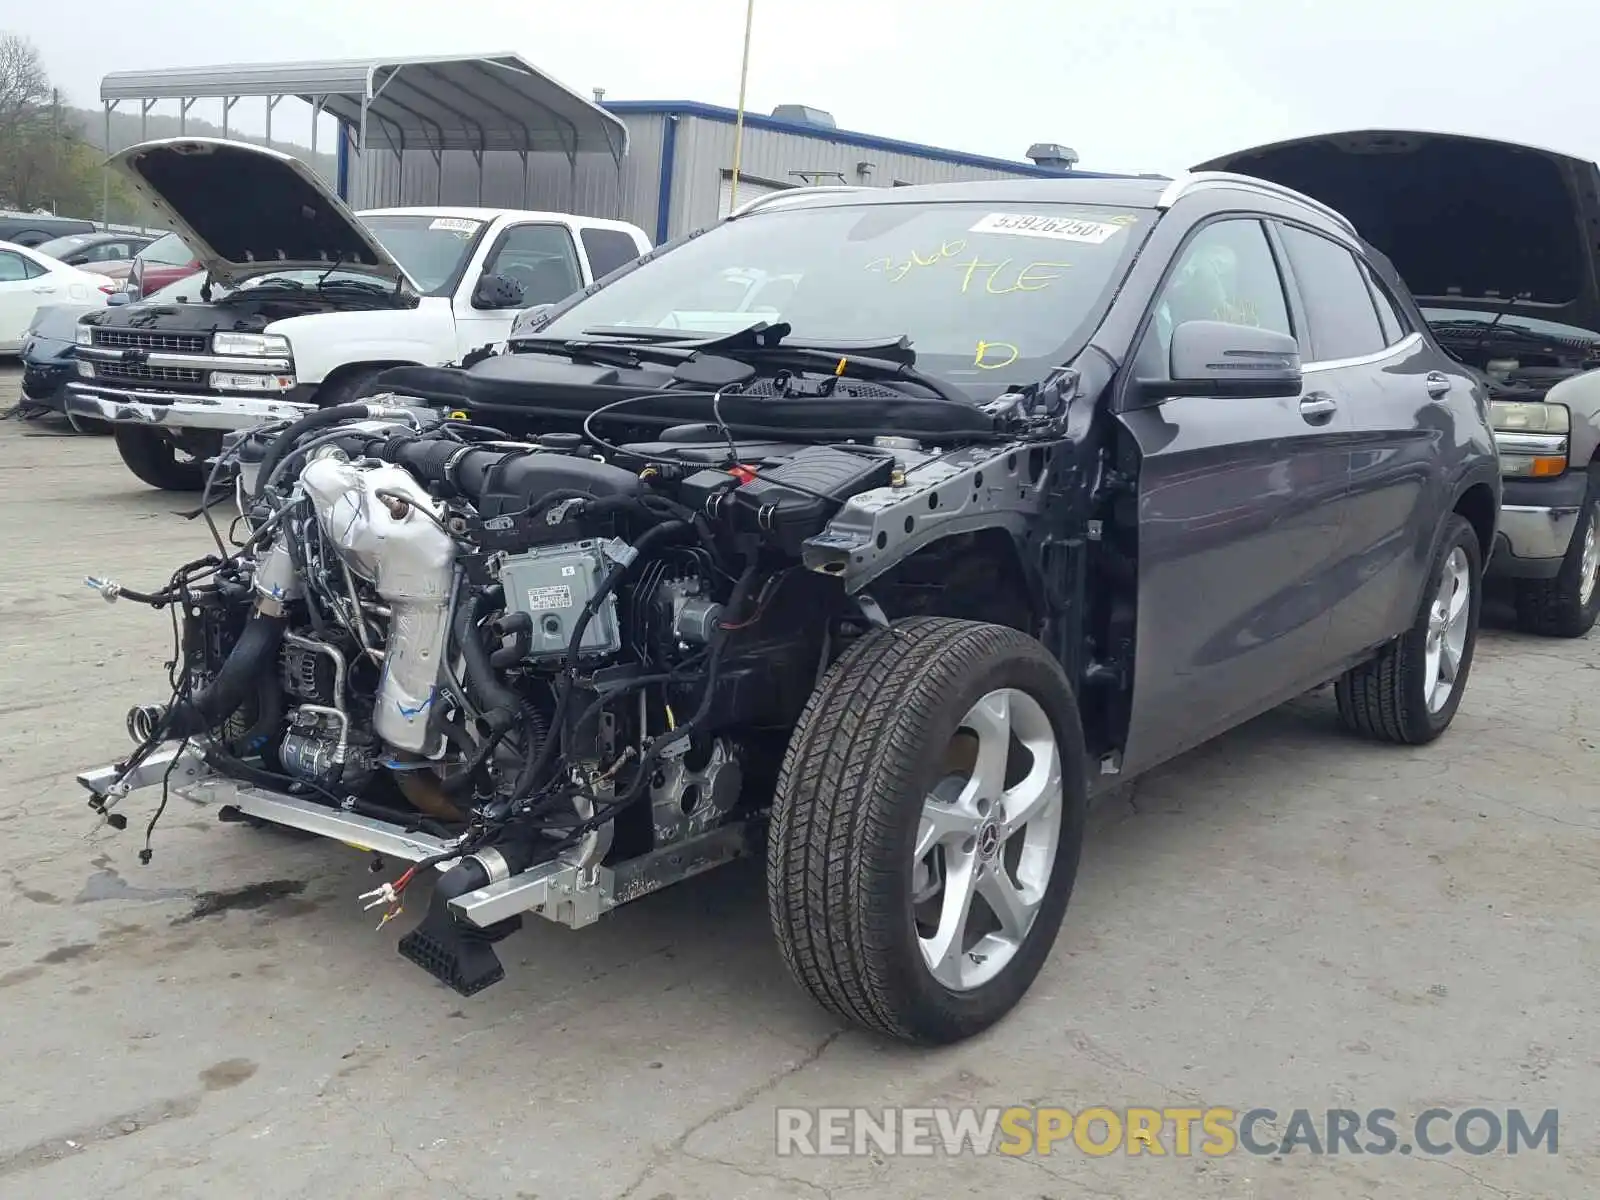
x: 1153, y: 86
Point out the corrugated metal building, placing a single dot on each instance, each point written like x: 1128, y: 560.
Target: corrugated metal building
x: 492, y: 129
x: 678, y: 171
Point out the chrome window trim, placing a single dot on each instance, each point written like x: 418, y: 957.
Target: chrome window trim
x: 1410, y: 342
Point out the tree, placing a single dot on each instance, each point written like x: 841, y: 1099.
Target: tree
x: 44, y: 161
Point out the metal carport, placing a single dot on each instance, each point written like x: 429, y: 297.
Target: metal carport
x: 473, y: 103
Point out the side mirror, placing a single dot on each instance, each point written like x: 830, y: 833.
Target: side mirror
x: 498, y: 291
x: 1217, y: 358
x: 119, y: 298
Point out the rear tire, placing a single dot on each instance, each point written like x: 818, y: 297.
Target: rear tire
x: 156, y: 461
x: 890, y: 825
x: 1567, y: 605
x: 1397, y: 696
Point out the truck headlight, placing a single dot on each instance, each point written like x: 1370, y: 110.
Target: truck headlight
x: 1531, y: 438
x: 242, y: 381
x: 82, y: 335
x: 253, y: 345
x: 1507, y: 416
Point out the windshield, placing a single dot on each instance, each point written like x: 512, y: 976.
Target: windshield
x: 62, y: 246
x: 985, y: 295
x: 1437, y: 316
x: 168, y: 250
x: 433, y: 250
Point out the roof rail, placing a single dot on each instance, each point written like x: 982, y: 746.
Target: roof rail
x: 1195, y: 181
x: 789, y: 193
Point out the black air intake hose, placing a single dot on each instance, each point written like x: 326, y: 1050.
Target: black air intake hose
x: 213, y: 704
x: 499, y: 703
x: 284, y: 442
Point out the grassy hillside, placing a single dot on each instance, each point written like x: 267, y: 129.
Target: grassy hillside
x: 127, y: 129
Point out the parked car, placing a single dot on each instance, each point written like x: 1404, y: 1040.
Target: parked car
x: 1025, y: 487
x: 30, y: 229
x: 29, y: 280
x: 96, y: 251
x: 306, y: 312
x: 48, y: 349
x: 164, y: 261
x: 1498, y: 242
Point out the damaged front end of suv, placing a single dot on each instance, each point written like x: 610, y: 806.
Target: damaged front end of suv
x: 567, y: 669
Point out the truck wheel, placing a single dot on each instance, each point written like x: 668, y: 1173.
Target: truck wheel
x: 926, y: 828
x: 1409, y: 691
x: 158, y: 461
x: 1567, y: 605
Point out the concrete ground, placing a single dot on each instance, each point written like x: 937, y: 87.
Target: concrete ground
x: 1287, y: 918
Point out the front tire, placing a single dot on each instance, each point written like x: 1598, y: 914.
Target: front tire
x: 1409, y: 691
x: 1567, y: 605
x: 926, y: 828
x: 156, y: 460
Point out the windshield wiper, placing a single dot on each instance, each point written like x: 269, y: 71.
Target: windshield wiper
x: 887, y: 359
x: 761, y: 336
x: 770, y: 345
x: 1480, y: 332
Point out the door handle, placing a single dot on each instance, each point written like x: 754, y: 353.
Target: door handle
x: 1318, y: 407
x: 1438, y: 383
x: 45, y: 290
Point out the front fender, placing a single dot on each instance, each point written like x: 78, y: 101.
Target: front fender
x: 323, y: 342
x: 1581, y: 395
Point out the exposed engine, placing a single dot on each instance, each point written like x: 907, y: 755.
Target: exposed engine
x: 513, y: 654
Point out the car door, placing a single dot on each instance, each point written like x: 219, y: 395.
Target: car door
x: 24, y: 286
x: 1388, y: 378
x: 537, y: 255
x: 1239, y: 512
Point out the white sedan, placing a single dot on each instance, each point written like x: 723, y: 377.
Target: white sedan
x: 30, y: 280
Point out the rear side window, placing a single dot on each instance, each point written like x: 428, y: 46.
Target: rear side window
x: 13, y: 267
x: 607, y: 249
x: 1390, y: 314
x: 1342, y: 321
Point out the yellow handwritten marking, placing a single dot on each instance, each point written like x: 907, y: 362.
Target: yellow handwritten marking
x: 1026, y: 276
x: 978, y: 264
x: 981, y: 359
x: 1034, y: 277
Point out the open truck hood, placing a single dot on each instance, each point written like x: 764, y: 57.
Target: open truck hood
x: 1469, y: 223
x: 247, y: 211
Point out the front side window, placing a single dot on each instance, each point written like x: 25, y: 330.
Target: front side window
x: 1226, y: 272
x: 1343, y: 323
x: 539, y: 257
x: 987, y: 293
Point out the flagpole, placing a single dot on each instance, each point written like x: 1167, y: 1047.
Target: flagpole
x: 738, y: 121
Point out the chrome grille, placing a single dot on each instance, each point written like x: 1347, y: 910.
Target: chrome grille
x: 139, y: 339
x: 145, y: 373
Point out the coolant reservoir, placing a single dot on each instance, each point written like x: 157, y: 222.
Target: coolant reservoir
x: 378, y: 518
x: 1500, y: 369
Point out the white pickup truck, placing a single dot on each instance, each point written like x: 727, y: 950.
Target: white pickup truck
x: 304, y: 301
